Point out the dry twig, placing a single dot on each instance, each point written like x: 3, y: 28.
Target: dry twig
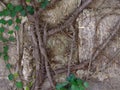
x: 43, y: 50
x: 71, y: 50
x: 36, y: 54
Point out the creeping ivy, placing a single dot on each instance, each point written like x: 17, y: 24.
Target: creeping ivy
x: 44, y: 4
x: 10, y: 32
x: 10, y: 77
x: 15, y: 12
x: 17, y: 27
x: 2, y: 29
x: 18, y: 20
x: 10, y: 22
x: 2, y: 21
x: 30, y: 10
x: 8, y: 66
x: 10, y: 6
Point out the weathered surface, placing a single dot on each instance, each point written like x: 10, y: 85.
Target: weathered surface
x: 60, y: 11
x: 110, y: 84
x: 93, y: 30
x: 58, y: 46
x: 95, y: 26
x: 4, y: 84
x: 89, y: 39
x: 105, y: 4
x: 27, y: 64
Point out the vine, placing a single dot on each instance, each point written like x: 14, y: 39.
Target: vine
x: 13, y: 12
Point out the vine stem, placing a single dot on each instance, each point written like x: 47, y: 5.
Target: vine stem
x: 36, y: 54
x: 72, y: 50
x: 42, y: 50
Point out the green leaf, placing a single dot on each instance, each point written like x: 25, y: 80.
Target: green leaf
x: 13, y: 13
x: 17, y: 27
x: 71, y: 78
x: 6, y: 57
x: 74, y: 82
x: 23, y: 13
x: 2, y: 21
x: 0, y: 54
x: 11, y: 38
x: 10, y: 22
x: 30, y: 84
x: 18, y: 8
x: 5, y: 48
x: 18, y: 20
x: 19, y: 84
x: 2, y: 29
x: 1, y: 13
x: 61, y: 85
x: 27, y: 88
x: 16, y: 75
x: 10, y: 32
x: 3, y: 39
x: 8, y: 66
x: 86, y: 85
x: 79, y: 81
x: 74, y: 87
x: 44, y: 4
x: 6, y: 12
x: 81, y: 87
x: 10, y: 77
x: 30, y: 10
x: 10, y: 6
x: 28, y: 0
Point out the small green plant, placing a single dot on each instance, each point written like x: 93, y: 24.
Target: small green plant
x: 72, y: 83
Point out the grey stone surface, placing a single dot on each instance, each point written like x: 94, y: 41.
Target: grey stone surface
x: 59, y: 43
x: 4, y: 85
x: 110, y: 84
x: 91, y: 37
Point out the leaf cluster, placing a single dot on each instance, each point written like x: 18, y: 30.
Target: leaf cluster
x: 13, y: 10
x: 44, y: 3
x: 11, y: 76
x: 72, y: 83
